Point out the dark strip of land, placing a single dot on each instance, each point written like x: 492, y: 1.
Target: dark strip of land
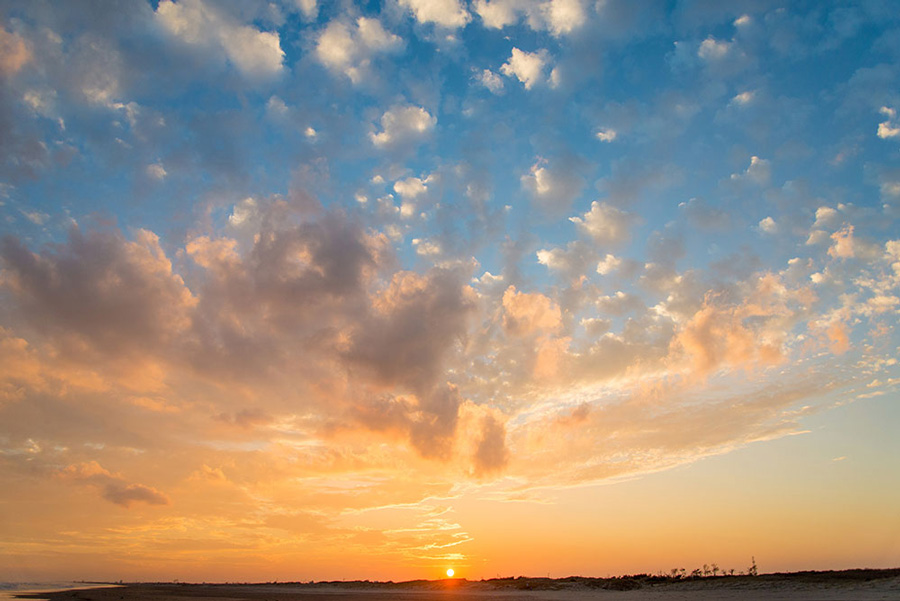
x: 839, y: 585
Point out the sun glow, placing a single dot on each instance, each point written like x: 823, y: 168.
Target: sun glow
x: 450, y: 572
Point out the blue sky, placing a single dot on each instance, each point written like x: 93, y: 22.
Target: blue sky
x: 357, y: 262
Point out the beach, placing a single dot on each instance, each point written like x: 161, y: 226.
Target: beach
x: 820, y: 586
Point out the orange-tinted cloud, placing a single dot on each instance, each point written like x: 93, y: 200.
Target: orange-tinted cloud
x: 112, y: 486
x: 527, y: 313
x: 14, y: 53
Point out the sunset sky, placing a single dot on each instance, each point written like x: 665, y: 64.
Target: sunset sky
x: 358, y: 289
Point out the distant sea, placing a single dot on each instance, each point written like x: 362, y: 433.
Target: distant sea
x: 9, y: 589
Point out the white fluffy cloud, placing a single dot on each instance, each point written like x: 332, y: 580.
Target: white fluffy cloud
x: 607, y: 134
x: 411, y: 191
x: 712, y: 49
x: 759, y: 172
x: 349, y: 49
x: 573, y: 261
x: 768, y: 225
x: 559, y: 17
x: 401, y: 125
x: 256, y: 54
x: 563, y: 16
x: 890, y: 128
x: 825, y: 217
x: 411, y: 187
x: 605, y: 224
x: 608, y: 264
x: 491, y: 81
x: 309, y: 8
x: 497, y: 14
x: 446, y: 13
x: 527, y: 67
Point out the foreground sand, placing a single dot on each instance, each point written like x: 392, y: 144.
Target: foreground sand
x: 884, y: 585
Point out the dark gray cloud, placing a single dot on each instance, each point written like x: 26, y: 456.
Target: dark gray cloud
x: 118, y: 295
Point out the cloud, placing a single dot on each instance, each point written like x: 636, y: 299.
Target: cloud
x: 528, y: 313
x: 433, y: 427
x: 560, y: 17
x: 619, y: 304
x: 322, y: 265
x: 744, y: 98
x: 889, y: 128
x: 608, y: 264
x: 713, y: 50
x: 527, y: 67
x: 404, y: 342
x: 414, y: 323
x: 842, y: 245
x: 716, y: 336
x: 716, y: 58
x: 497, y: 14
x: 256, y: 54
x: 759, y: 172
x: 14, y: 53
x: 426, y: 248
x: 445, y: 13
x: 300, y: 294
x: 101, y: 288
x: 490, y: 80
x: 403, y: 125
x: 113, y: 487
x: 412, y: 187
x: 825, y: 217
x: 554, y: 186
x: 563, y: 16
x: 768, y: 226
x: 605, y: 224
x: 606, y: 135
x: 575, y: 260
x: 491, y: 454
x: 156, y: 171
x: 747, y: 334
x: 411, y: 191
x: 700, y: 214
x: 350, y: 48
x: 309, y: 8
x: 276, y: 108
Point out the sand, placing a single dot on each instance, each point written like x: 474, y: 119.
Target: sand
x: 884, y: 584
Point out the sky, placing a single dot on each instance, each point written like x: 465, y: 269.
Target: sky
x: 297, y: 290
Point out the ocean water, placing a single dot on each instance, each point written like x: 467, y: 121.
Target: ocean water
x: 8, y: 590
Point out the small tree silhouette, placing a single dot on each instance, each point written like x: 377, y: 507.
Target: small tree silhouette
x: 752, y: 570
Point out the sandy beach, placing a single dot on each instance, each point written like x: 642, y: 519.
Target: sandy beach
x: 822, y: 586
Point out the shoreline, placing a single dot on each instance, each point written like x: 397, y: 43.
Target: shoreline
x: 859, y: 584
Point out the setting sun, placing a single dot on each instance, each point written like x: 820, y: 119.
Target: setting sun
x: 450, y: 572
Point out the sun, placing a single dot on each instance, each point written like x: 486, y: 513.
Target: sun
x: 450, y: 572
